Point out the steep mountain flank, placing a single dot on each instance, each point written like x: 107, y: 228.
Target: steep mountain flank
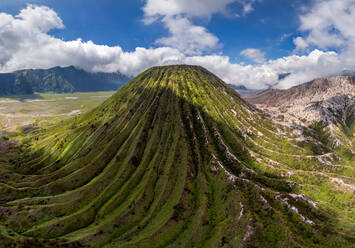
x: 174, y: 159
x: 328, y: 101
x: 314, y: 91
x: 59, y: 80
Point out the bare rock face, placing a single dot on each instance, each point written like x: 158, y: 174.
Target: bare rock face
x: 337, y: 109
x: 330, y: 101
x: 324, y: 99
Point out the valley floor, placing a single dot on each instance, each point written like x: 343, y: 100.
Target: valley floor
x: 17, y: 111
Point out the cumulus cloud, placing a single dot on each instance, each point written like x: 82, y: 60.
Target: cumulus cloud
x: 330, y: 23
x: 196, y: 8
x: 27, y: 27
x: 254, y: 54
x: 26, y: 43
x: 300, y: 44
x: 307, y: 67
x: 302, y: 69
x: 40, y: 19
x: 184, y: 35
x: 176, y: 16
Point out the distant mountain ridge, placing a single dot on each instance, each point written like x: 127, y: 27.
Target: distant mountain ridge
x: 328, y: 101
x: 59, y: 80
x: 241, y: 89
x: 348, y: 73
x: 313, y: 91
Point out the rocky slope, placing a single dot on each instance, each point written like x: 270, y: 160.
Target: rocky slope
x: 59, y: 80
x: 174, y: 159
x: 329, y: 101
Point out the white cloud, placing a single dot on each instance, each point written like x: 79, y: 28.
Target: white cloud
x: 302, y: 69
x: 25, y: 43
x: 195, y: 8
x: 186, y: 37
x: 38, y: 18
x: 307, y: 67
x: 254, y: 54
x: 284, y: 37
x: 247, y: 5
x: 300, y: 44
x: 330, y: 23
x: 176, y: 17
x: 27, y: 27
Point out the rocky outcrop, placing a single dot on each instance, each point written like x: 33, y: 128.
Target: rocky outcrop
x: 330, y: 101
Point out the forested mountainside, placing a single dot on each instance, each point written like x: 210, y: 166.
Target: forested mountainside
x: 59, y: 80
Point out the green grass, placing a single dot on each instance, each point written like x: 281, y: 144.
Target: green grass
x: 47, y: 108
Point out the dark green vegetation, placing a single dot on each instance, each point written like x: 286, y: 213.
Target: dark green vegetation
x: 59, y: 80
x: 174, y: 159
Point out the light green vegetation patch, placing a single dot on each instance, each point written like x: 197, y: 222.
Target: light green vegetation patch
x: 20, y: 110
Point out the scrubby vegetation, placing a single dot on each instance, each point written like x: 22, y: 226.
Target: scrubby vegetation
x: 174, y: 159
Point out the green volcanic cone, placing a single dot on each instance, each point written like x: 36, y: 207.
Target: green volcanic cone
x: 174, y: 159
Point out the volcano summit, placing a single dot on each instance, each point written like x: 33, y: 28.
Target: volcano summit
x: 174, y: 159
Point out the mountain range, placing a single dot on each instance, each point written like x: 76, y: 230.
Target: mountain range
x: 241, y: 89
x: 326, y: 102
x: 59, y: 80
x: 175, y: 158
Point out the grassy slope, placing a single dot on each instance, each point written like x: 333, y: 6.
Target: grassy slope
x: 174, y: 159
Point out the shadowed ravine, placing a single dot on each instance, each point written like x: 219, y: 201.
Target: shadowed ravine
x: 174, y: 159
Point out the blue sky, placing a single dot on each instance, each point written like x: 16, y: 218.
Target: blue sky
x: 245, y: 42
x: 112, y: 22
